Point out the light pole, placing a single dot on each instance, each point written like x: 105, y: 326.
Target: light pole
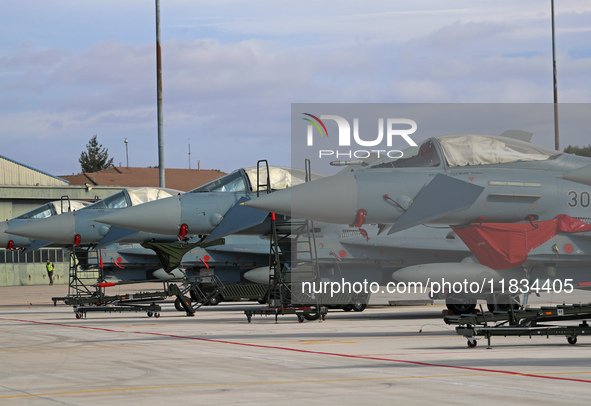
x: 556, y: 136
x: 126, y: 154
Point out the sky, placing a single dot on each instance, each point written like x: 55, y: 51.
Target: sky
x: 231, y: 70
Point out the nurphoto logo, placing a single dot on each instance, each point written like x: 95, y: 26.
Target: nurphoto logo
x: 393, y: 127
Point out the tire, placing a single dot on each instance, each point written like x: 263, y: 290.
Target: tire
x: 572, y: 340
x: 506, y: 303
x: 359, y: 307
x: 459, y: 305
x: 311, y: 316
x: 214, y: 301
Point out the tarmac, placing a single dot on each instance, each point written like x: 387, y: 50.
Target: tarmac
x: 384, y: 355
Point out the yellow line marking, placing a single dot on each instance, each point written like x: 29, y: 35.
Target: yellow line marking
x: 237, y: 384
x: 205, y: 385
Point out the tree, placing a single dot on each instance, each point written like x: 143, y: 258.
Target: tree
x: 96, y: 158
x: 582, y: 151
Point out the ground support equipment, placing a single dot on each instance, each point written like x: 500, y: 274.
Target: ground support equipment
x: 196, y: 293
x: 527, y: 322
x: 151, y: 309
x: 302, y: 312
x: 101, y: 302
x: 280, y: 296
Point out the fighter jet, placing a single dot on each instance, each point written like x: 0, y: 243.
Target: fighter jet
x: 54, y: 208
x: 78, y: 228
x: 447, y: 180
x: 211, y: 209
x: 475, y: 183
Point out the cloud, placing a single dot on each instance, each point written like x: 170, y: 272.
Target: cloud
x: 230, y: 74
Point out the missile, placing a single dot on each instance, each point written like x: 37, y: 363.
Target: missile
x: 258, y: 275
x: 467, y: 276
x: 175, y: 274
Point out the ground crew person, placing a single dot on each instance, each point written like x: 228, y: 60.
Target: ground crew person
x: 49, y: 266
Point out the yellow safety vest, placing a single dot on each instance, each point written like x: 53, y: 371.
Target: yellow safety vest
x: 49, y: 267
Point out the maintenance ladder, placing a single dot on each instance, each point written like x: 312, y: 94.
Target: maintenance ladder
x: 283, y: 252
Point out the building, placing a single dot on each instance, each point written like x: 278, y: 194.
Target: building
x: 180, y: 179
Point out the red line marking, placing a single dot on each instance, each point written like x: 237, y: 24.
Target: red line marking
x: 333, y: 354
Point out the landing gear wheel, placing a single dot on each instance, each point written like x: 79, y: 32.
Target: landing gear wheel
x: 460, y: 305
x: 300, y: 318
x: 214, y: 301
x: 572, y: 340
x: 78, y: 315
x: 472, y: 343
x: 348, y: 308
x: 150, y: 314
x: 156, y: 315
x: 264, y: 299
x: 312, y: 316
x: 504, y: 303
x: 359, y: 307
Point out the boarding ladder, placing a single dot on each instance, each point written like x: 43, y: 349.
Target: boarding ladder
x: 283, y: 252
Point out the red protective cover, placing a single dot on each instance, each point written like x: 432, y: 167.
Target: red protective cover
x: 506, y: 245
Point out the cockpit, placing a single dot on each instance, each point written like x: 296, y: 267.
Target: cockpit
x: 467, y: 150
x: 233, y: 182
x: 246, y: 179
x: 133, y: 197
x: 470, y: 150
x: 53, y: 209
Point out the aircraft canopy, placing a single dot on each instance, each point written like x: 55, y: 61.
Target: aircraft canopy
x: 53, y: 208
x: 133, y: 197
x: 243, y: 180
x: 147, y: 194
x: 281, y: 177
x: 471, y: 149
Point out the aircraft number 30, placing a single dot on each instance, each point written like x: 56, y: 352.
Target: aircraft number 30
x: 579, y: 199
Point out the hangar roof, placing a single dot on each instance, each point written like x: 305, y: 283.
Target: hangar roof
x: 181, y: 179
x: 13, y: 173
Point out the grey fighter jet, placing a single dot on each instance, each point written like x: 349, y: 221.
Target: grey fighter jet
x: 211, y: 209
x: 477, y: 184
x: 78, y: 228
x: 447, y: 180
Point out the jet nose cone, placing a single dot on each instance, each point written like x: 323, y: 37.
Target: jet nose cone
x: 58, y: 229
x: 332, y: 199
x: 4, y: 238
x: 159, y: 217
